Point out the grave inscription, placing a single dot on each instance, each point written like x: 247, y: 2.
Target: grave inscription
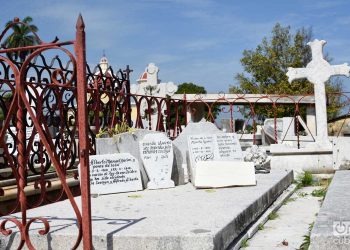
x: 217, y: 147
x: 156, y: 152
x: 229, y: 148
x: 114, y: 173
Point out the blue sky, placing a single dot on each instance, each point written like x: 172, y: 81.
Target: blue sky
x: 198, y: 41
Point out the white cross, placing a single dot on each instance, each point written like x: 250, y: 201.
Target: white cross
x: 318, y: 72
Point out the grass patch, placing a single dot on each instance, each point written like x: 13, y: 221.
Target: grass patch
x: 306, y: 241
x: 244, y: 243
x: 273, y: 216
x: 305, y: 180
x: 302, y: 194
x: 261, y: 227
x: 319, y: 192
x: 290, y: 199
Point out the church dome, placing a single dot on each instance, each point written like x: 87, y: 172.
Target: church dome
x: 104, y: 64
x: 104, y: 60
x: 142, y: 78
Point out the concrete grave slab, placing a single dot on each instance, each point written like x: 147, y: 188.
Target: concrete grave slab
x: 177, y: 218
x: 332, y: 227
x: 313, y: 158
x: 341, y: 152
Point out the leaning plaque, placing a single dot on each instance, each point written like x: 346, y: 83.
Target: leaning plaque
x: 114, y: 173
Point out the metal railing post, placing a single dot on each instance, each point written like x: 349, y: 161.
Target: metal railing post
x: 80, y: 51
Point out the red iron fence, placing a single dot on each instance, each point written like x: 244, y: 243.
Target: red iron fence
x: 31, y: 94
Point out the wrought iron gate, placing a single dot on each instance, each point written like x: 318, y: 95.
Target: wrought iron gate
x: 36, y: 94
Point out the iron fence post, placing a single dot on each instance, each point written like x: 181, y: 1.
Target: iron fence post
x: 80, y: 51
x: 21, y: 142
x: 128, y: 101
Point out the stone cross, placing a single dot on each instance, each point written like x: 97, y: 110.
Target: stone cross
x: 318, y: 72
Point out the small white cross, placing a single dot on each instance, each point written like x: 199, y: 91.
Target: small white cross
x: 318, y: 72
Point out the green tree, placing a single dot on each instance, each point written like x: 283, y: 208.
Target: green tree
x: 21, y: 36
x: 265, y: 69
x: 190, y: 88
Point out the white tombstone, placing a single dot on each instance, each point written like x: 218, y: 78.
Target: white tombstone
x: 318, y: 71
x: 114, y: 173
x: 215, y: 147
x: 180, y: 145
x: 157, y: 155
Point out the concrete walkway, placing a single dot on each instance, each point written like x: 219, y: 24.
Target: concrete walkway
x: 288, y: 229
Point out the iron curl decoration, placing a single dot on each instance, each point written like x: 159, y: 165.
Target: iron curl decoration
x: 59, y: 72
x: 24, y: 230
x: 40, y: 231
x: 8, y: 232
x: 42, y: 129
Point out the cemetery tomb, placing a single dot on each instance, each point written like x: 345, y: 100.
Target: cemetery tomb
x: 175, y: 218
x: 217, y: 161
x: 157, y: 155
x: 114, y: 173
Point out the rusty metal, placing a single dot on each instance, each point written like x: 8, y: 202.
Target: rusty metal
x: 83, y: 133
x: 33, y: 102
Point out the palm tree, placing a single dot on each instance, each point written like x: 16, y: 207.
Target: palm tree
x: 21, y: 36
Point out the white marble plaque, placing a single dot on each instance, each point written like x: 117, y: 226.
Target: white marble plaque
x: 202, y: 148
x: 229, y: 147
x: 156, y: 152
x: 215, y: 147
x: 114, y: 173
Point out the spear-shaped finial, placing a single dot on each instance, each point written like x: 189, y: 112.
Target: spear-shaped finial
x: 80, y: 23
